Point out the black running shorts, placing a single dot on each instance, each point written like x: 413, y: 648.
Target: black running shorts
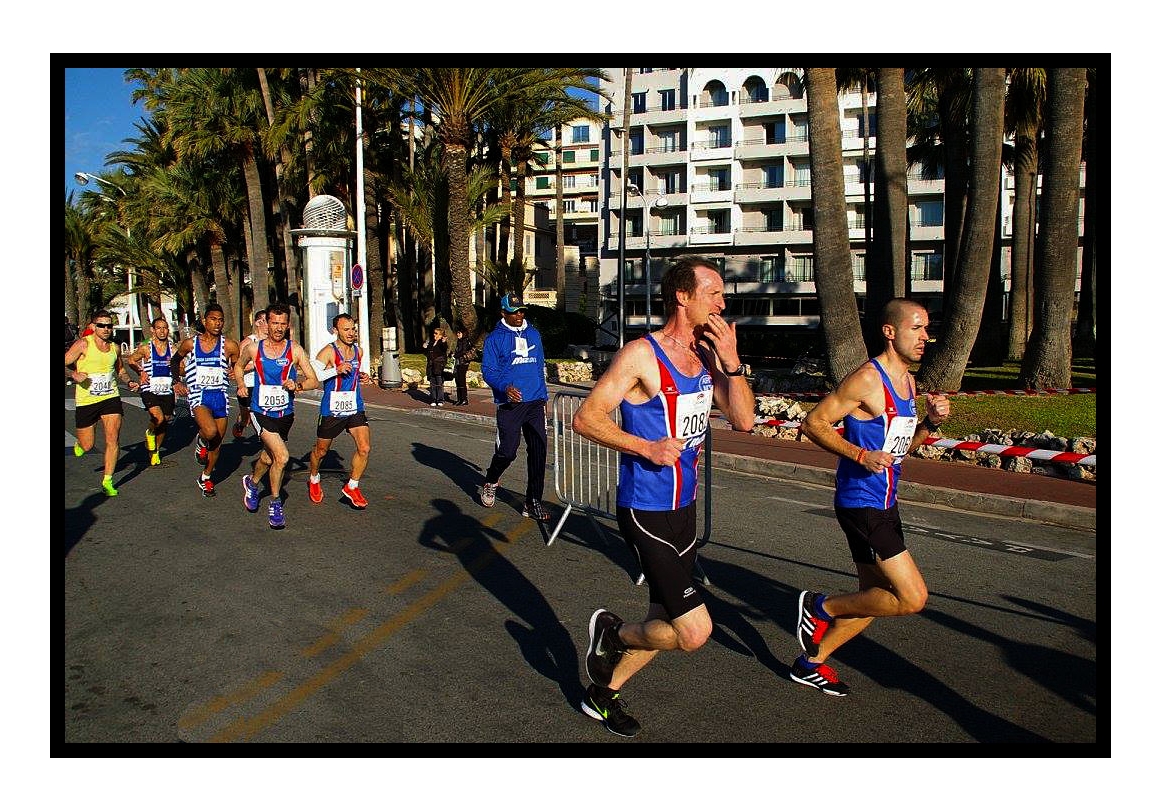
x: 164, y: 403
x: 665, y: 544
x: 872, y: 533
x: 89, y: 414
x: 330, y: 426
x: 265, y: 423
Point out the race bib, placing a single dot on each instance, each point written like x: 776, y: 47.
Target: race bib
x: 899, y: 436
x: 343, y: 402
x: 273, y: 397
x: 161, y: 385
x: 691, y: 413
x: 100, y: 384
x: 249, y: 379
x: 206, y: 377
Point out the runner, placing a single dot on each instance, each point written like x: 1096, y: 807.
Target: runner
x: 204, y: 386
x: 342, y: 408
x: 97, y: 359
x: 244, y: 404
x: 664, y: 385
x: 151, y: 361
x: 279, y: 364
x: 876, y: 404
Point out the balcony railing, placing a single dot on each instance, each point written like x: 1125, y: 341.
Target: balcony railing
x: 799, y: 182
x: 711, y: 144
x: 764, y: 228
x: 754, y: 186
x: 711, y: 186
x: 709, y: 230
x: 617, y: 114
x: 763, y: 141
x: 664, y: 149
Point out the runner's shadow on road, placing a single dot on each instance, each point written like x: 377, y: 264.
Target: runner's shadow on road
x: 543, y: 641
x: 607, y: 540
x: 465, y: 475
x: 78, y: 520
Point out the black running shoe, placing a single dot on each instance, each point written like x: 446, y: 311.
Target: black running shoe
x: 822, y: 677
x: 534, y: 509
x: 605, y: 650
x: 609, y: 711
x: 810, y: 629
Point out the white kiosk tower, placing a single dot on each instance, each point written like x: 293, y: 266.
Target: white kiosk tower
x: 327, y: 261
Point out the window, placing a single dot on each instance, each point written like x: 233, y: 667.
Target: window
x: 638, y: 102
x: 774, y: 176
x: 669, y: 140
x: 802, y: 219
x: 719, y: 221
x: 757, y: 92
x: 568, y: 156
x: 667, y: 99
x: 721, y: 179
x: 636, y: 140
x: 858, y: 266
x: 581, y: 134
x: 636, y: 177
x: 568, y: 180
x: 926, y: 267
x: 771, y: 269
x: 774, y: 132
x: 858, y: 218
x: 645, y: 69
x: 872, y: 125
x: 929, y: 214
x: 800, y: 129
x: 669, y: 224
x: 543, y: 183
x: 720, y: 136
x: 717, y: 94
x: 803, y: 175
x: 543, y: 158
x: 799, y: 269
x: 670, y: 182
x: 594, y: 155
x: 570, y: 205
x: 775, y: 220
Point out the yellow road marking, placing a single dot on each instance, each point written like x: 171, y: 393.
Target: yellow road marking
x: 333, y: 635
x: 220, y: 703
x: 246, y: 728
x: 410, y: 578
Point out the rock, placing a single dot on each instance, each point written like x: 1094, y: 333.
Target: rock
x: 411, y: 376
x: 991, y: 461
x: 1084, y: 446
x: 1080, y: 473
x: 1022, y: 465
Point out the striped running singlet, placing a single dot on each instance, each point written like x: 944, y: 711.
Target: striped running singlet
x: 270, y: 397
x: 341, y: 394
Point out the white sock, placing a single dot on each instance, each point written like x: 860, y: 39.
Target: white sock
x: 353, y: 483
x: 203, y: 477
x: 314, y: 478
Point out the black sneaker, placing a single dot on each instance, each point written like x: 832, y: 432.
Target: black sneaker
x: 608, y: 710
x: 822, y: 677
x: 810, y: 629
x: 605, y: 650
x: 534, y: 509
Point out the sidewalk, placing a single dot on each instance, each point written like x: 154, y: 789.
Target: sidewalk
x: 956, y: 485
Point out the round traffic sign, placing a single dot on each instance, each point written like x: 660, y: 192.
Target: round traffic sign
x: 357, y: 276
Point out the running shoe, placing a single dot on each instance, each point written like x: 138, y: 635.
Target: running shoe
x: 151, y: 441
x: 206, y: 487
x: 275, y: 515
x: 440, y: 403
x: 810, y: 629
x: 608, y: 710
x: 534, y: 509
x: 605, y: 649
x: 488, y: 494
x: 250, y: 494
x: 155, y: 459
x: 432, y: 403
x: 821, y: 676
x: 107, y: 486
x: 77, y: 450
x: 238, y: 429
x: 315, y: 491
x: 201, y: 453
x: 354, y: 496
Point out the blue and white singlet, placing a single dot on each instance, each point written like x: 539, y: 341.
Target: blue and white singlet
x: 679, y: 410
x: 892, y: 432
x: 207, y: 373
x: 159, y: 378
x: 341, y: 394
x: 270, y: 397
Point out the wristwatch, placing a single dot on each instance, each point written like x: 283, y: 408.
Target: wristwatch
x: 743, y: 369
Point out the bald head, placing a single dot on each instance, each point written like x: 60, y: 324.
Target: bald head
x: 899, y: 309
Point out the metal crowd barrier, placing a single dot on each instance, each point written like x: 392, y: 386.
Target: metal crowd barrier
x: 586, y: 476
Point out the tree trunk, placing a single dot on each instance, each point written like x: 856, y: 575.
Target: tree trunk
x: 71, y: 295
x: 201, y: 289
x: 84, y: 293
x: 307, y: 80
x: 559, y: 223
x: 952, y: 123
x: 1085, y: 336
x: 375, y: 285
x: 258, y: 257
x: 519, y: 274
x: 459, y: 232
x: 830, y: 233
x: 990, y: 347
x: 222, y: 290
x: 1048, y: 358
x: 1022, y: 251
x: 866, y: 179
x: 620, y: 273
x: 942, y: 369
x: 506, y: 226
x: 886, y: 268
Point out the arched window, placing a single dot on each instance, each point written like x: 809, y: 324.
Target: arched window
x: 715, y: 94
x: 755, y: 90
x: 788, y: 86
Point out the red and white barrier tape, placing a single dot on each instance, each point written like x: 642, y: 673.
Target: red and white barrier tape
x: 964, y: 394
x: 989, y: 448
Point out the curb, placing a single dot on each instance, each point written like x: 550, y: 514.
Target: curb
x: 1034, y: 510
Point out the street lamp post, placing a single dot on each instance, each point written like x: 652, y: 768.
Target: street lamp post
x: 659, y: 202
x: 83, y: 178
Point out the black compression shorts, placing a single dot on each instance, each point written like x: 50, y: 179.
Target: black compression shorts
x: 872, y: 533
x: 329, y: 426
x: 665, y: 544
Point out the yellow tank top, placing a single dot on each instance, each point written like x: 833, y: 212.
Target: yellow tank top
x: 102, y: 382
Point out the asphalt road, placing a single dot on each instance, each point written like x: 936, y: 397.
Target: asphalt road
x: 427, y: 618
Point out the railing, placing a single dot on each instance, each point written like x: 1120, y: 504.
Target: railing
x: 665, y: 149
x: 617, y: 114
x: 711, y: 186
x: 761, y: 229
x: 747, y: 100
x: 709, y: 230
x: 754, y: 186
x: 708, y: 144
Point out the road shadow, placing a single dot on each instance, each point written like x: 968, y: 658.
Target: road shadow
x: 80, y: 518
x: 606, y: 540
x: 465, y: 475
x: 544, y: 642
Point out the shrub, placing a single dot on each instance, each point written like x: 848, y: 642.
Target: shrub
x: 552, y: 326
x: 579, y: 329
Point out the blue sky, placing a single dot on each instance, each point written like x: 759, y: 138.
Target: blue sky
x: 99, y: 115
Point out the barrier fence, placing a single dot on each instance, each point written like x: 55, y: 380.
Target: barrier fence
x: 1049, y: 391
x: 586, y: 476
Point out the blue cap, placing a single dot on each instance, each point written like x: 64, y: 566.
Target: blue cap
x: 512, y: 303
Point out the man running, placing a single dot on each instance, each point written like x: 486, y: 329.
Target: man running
x: 342, y: 408
x: 97, y: 359
x: 663, y: 385
x: 151, y: 361
x: 282, y: 369
x: 876, y: 403
x: 211, y: 356
x: 244, y: 403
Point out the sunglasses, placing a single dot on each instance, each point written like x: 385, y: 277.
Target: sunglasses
x: 103, y: 325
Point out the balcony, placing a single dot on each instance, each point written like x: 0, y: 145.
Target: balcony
x: 650, y: 115
x: 711, y: 150
x: 660, y: 240
x: 753, y: 148
x: 752, y: 109
x: 761, y: 236
x: 709, y: 235
x: 917, y: 185
x: 758, y: 192
x: 710, y: 192
x: 707, y: 112
x: 926, y: 231
x: 665, y: 155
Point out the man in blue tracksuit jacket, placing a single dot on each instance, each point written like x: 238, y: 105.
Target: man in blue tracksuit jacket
x: 513, y: 363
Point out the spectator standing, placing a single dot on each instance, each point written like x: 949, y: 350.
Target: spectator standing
x: 437, y: 352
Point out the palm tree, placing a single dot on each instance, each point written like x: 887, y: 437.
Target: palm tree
x: 1025, y: 97
x: 830, y: 234
x: 1047, y: 362
x: 942, y: 369
x: 885, y: 270
x: 1084, y: 344
x: 860, y: 78
x: 78, y: 258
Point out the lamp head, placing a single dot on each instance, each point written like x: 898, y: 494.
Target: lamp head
x: 81, y: 177
x: 661, y: 202
x: 634, y: 189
